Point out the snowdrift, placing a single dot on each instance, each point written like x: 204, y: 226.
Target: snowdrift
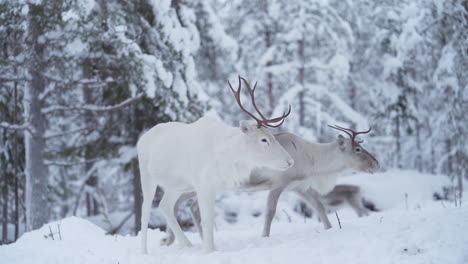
x: 413, y: 230
x: 428, y: 235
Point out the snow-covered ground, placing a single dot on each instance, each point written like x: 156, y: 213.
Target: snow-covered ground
x: 412, y: 230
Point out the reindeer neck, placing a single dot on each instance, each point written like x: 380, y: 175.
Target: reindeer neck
x: 228, y: 148
x: 327, y: 158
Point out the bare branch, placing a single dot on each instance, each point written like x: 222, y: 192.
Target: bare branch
x: 114, y: 230
x: 93, y: 108
x: 13, y: 79
x: 338, y: 218
x: 87, y: 176
x: 51, y: 233
x: 59, y: 233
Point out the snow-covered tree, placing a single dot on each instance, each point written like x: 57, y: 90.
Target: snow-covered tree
x: 88, y: 63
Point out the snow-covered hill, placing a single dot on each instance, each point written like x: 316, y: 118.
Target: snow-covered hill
x: 424, y: 231
x: 429, y: 235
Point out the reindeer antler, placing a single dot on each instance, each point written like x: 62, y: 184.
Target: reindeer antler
x: 351, y: 133
x: 262, y: 121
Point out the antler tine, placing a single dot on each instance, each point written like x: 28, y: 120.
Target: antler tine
x: 263, y: 121
x: 353, y: 136
x: 252, y: 97
x: 364, y: 132
x: 238, y: 100
x: 285, y: 114
x: 354, y: 133
x: 361, y: 132
x: 342, y: 129
x: 255, y: 86
x: 277, y: 119
x: 234, y: 91
x: 273, y: 126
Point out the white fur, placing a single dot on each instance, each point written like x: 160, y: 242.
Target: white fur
x: 316, y: 165
x: 314, y: 173
x: 206, y: 156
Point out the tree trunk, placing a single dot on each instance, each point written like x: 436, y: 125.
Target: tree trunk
x: 16, y: 179
x: 64, y: 207
x: 418, y: 138
x: 137, y: 193
x: 418, y: 147
x: 460, y: 171
x: 301, y: 81
x: 433, y: 161
x: 37, y: 207
x: 5, y: 201
x: 398, y: 143
x: 352, y: 88
x: 430, y: 140
x: 15, y: 142
x: 5, y: 211
x: 448, y: 145
x: 92, y: 205
x: 271, y: 99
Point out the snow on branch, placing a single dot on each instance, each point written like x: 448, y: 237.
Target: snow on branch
x: 93, y: 108
x: 16, y: 127
x: 67, y: 163
x: 348, y: 111
x: 71, y: 82
x: 66, y: 133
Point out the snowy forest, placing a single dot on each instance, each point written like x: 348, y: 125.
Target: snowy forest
x: 82, y: 80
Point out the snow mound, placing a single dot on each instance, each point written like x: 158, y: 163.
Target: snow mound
x: 432, y: 234
x: 398, y: 188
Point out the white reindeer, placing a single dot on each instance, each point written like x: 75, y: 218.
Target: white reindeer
x: 315, y: 171
x: 204, y: 157
x: 313, y: 175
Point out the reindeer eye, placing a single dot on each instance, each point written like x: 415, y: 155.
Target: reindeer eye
x: 358, y: 149
x: 264, y: 140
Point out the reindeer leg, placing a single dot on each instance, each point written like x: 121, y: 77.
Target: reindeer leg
x: 272, y: 202
x: 148, y: 189
x: 167, y: 207
x: 312, y: 198
x: 195, y: 210
x: 206, y: 199
x: 355, y: 201
x: 170, y: 237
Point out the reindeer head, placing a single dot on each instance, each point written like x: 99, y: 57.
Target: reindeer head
x: 356, y: 157
x: 261, y: 148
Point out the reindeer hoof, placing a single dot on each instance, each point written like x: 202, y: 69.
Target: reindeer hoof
x: 166, y: 241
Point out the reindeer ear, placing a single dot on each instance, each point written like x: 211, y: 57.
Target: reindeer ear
x: 341, y: 142
x: 245, y: 126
